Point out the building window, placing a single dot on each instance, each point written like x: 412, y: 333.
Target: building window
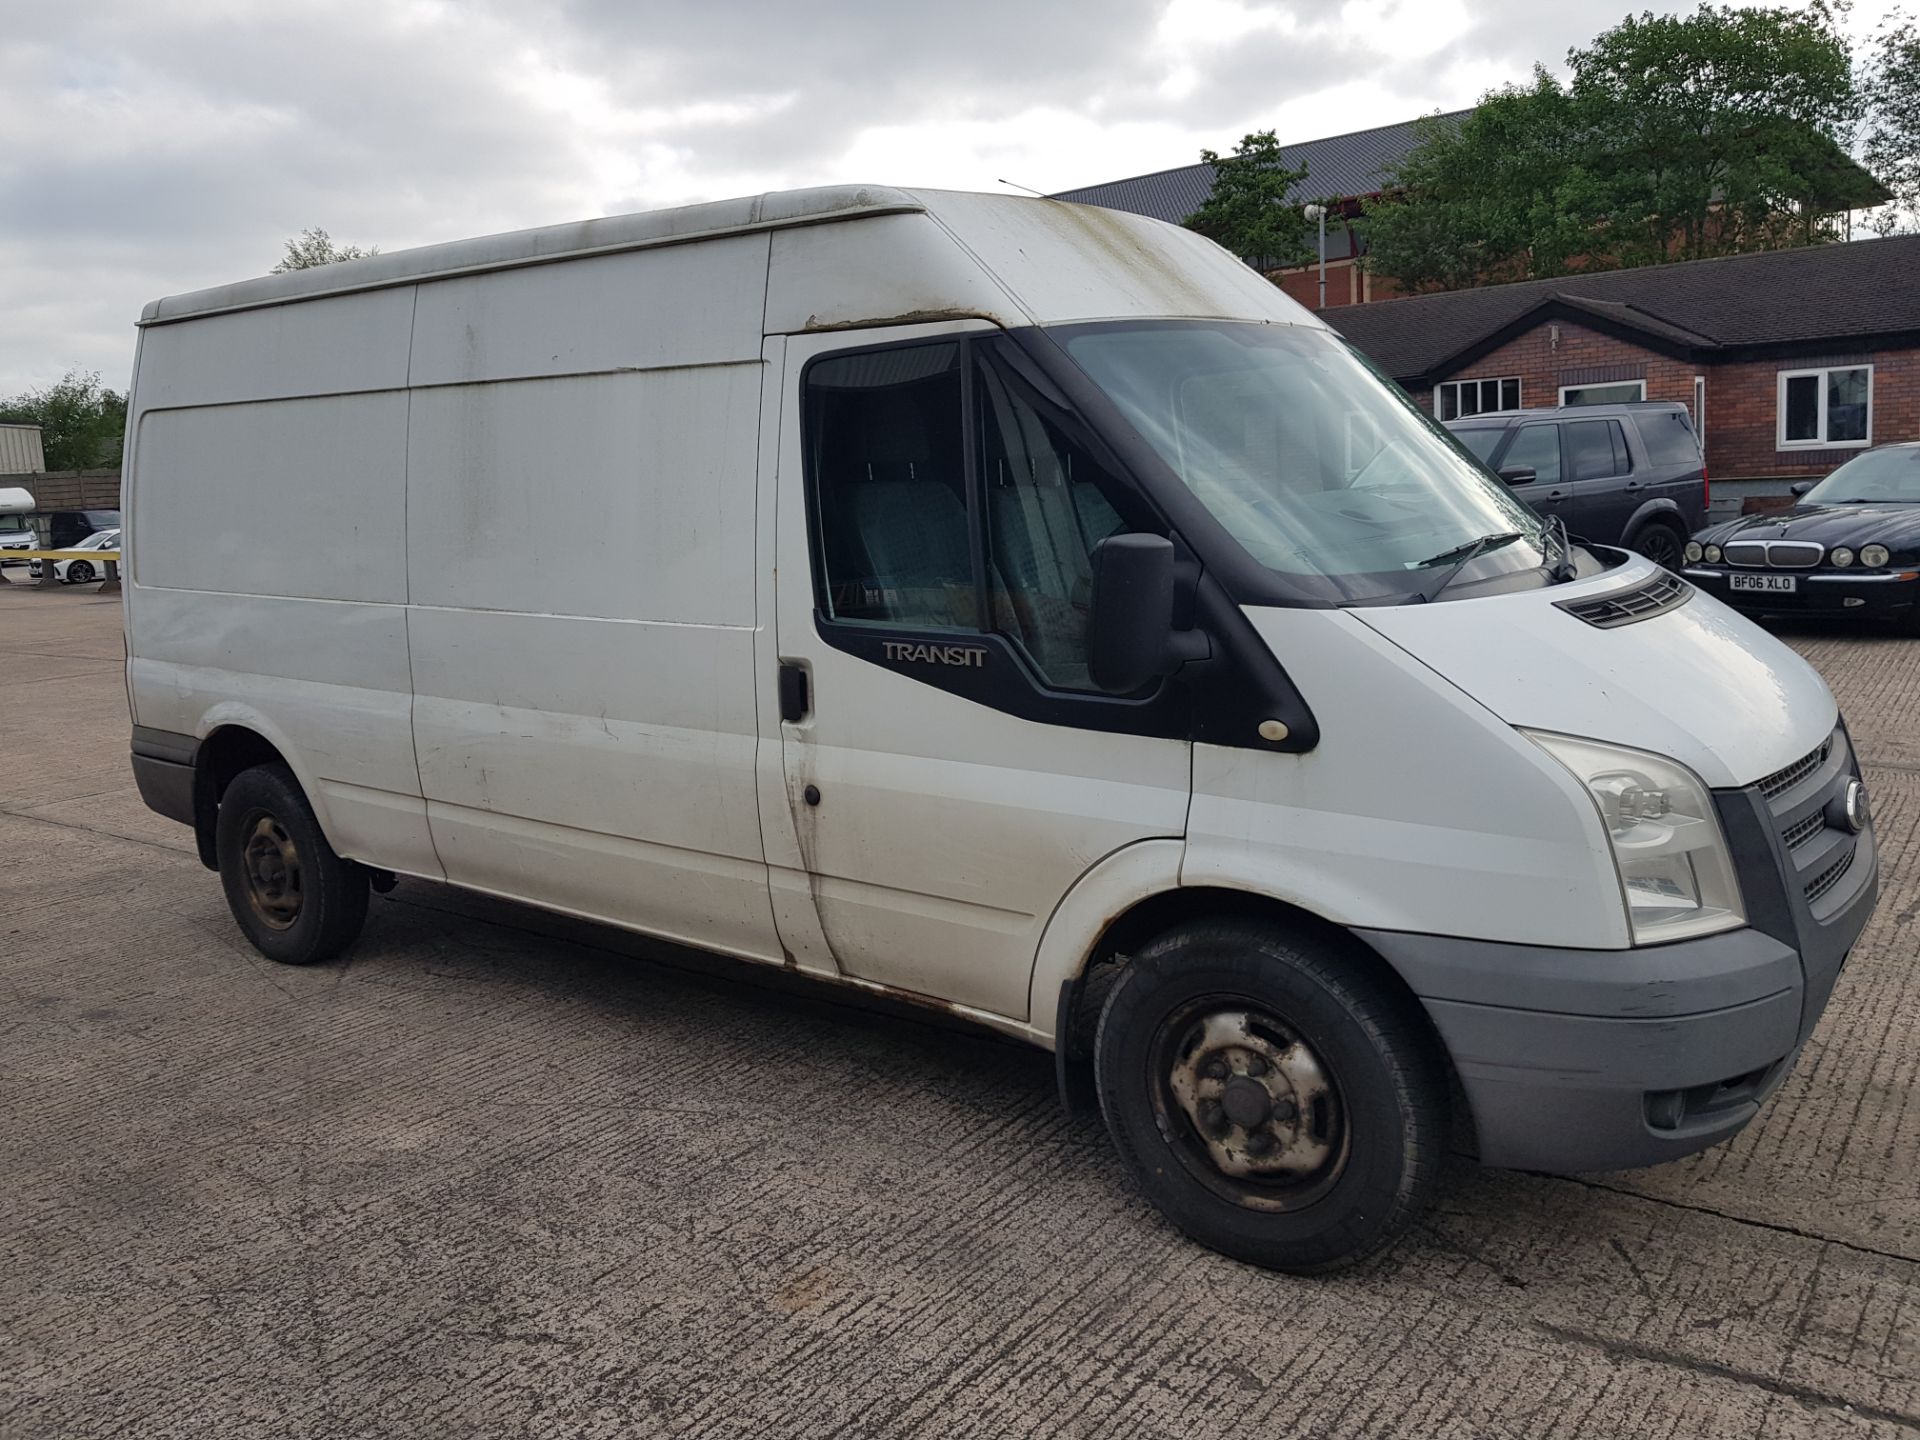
x: 1620, y: 392
x: 1826, y: 409
x: 1456, y: 398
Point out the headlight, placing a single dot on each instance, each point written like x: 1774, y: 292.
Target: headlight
x: 1713, y: 554
x: 1840, y: 555
x: 1874, y: 555
x: 1674, y: 867
x: 1694, y: 552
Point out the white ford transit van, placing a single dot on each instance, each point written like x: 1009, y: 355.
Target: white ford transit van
x: 1014, y: 605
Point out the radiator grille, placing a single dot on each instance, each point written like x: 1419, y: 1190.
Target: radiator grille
x: 1784, y: 780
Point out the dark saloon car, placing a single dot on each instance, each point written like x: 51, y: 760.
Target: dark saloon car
x: 1627, y: 474
x: 1849, y: 546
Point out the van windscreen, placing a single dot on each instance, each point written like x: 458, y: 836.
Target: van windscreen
x: 1310, y: 459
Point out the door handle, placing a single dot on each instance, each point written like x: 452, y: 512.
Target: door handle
x: 1633, y: 485
x: 794, y: 698
x: 1556, y: 495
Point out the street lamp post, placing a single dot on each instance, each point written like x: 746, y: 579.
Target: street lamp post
x: 1319, y: 212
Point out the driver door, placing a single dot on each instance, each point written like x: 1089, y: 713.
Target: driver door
x: 946, y: 770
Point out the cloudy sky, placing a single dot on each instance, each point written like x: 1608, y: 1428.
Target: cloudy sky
x: 154, y: 146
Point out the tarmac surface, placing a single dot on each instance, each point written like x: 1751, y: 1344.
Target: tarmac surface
x: 498, y: 1174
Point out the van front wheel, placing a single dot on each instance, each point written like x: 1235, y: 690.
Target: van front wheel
x: 1277, y: 1100
x: 297, y: 901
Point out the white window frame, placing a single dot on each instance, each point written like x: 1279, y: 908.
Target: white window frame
x: 1519, y: 394
x: 1781, y: 442
x: 1566, y: 390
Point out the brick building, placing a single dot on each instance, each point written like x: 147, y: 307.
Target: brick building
x: 1792, y: 361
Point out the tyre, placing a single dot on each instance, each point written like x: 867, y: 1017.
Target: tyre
x: 1661, y: 543
x: 295, y: 899
x: 1271, y: 1095
x: 79, y: 572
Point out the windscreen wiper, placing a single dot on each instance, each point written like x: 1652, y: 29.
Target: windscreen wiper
x: 1459, y: 555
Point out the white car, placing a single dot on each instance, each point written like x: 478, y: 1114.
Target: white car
x: 79, y: 571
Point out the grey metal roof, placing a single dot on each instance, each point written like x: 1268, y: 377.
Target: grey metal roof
x: 1816, y: 294
x: 771, y: 211
x: 1339, y: 166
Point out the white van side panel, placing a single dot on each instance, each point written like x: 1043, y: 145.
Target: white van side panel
x: 325, y: 683
x: 685, y: 305
x: 1370, y: 829
x: 266, y: 566
x: 623, y: 496
x: 580, y: 521
x: 331, y: 347
x: 276, y: 497
x: 602, y: 766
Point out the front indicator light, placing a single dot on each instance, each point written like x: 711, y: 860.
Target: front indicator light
x: 1840, y: 555
x: 1713, y: 554
x: 1874, y: 555
x: 1694, y: 552
x: 1676, y: 874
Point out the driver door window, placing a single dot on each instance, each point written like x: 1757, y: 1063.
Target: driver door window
x: 913, y: 529
x: 884, y: 441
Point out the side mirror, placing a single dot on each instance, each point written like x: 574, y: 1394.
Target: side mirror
x: 1519, y: 474
x: 1130, y: 636
x: 1800, y: 487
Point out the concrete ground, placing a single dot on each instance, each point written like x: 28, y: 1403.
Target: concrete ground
x: 500, y: 1175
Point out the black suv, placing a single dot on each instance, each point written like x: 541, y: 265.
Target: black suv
x: 1627, y: 475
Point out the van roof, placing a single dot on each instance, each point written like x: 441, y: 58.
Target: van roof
x: 777, y: 210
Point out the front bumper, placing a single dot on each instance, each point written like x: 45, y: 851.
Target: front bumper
x: 1610, y: 1059
x: 1887, y: 594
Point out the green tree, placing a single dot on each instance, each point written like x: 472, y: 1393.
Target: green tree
x: 80, y: 422
x: 1678, y: 137
x: 1891, y: 99
x: 1248, y: 210
x: 315, y: 247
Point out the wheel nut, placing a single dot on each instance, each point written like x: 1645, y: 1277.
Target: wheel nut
x: 1260, y: 1144
x: 1284, y: 1111
x: 1216, y: 1068
x: 1212, y: 1118
x: 1256, y: 1064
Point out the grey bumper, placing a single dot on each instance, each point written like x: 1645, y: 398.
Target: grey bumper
x: 1610, y: 1059
x: 163, y: 770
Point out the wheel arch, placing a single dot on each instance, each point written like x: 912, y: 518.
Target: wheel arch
x: 1121, y: 903
x: 235, y: 738
x: 1078, y: 999
x: 1657, y: 511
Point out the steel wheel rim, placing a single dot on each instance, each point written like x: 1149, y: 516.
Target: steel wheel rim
x: 270, y: 863
x: 1250, y: 1108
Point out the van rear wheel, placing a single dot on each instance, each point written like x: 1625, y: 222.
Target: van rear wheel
x: 294, y: 898
x: 1277, y: 1100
